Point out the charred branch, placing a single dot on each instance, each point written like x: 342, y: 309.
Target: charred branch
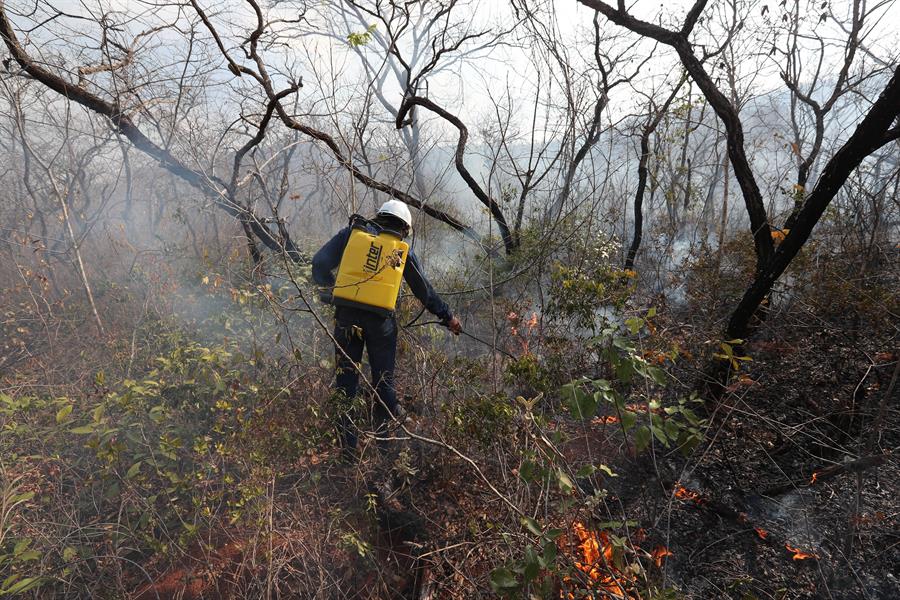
x: 724, y: 109
x: 647, y: 131
x: 818, y: 476
x: 459, y: 159
x: 124, y: 125
x: 872, y: 133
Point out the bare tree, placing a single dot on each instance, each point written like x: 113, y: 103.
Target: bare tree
x: 873, y: 132
x: 655, y: 114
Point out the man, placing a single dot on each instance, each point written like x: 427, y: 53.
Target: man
x: 358, y: 324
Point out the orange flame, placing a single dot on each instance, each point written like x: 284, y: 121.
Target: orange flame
x: 597, y: 562
x: 800, y: 554
x: 605, y: 420
x: 815, y: 476
x: 682, y: 493
x: 659, y: 553
x: 762, y: 533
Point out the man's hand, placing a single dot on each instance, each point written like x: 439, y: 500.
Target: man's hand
x: 454, y: 326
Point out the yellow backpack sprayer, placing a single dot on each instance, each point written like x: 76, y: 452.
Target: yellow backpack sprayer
x: 371, y: 268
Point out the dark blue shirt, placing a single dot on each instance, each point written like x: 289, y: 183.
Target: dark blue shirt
x: 328, y: 258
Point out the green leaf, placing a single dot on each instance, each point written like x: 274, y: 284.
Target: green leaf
x: 657, y: 375
x: 24, y: 497
x: 586, y: 471
x: 530, y: 471
x: 690, y: 416
x: 84, y: 429
x: 566, y: 485
x: 29, y: 555
x: 672, y: 429
x: 133, y: 470
x: 503, y: 580
x: 609, y: 524
x: 21, y: 546
x: 63, y: 413
x: 634, y: 324
x: 608, y: 471
x: 549, y: 553
x: 628, y: 419
x: 360, y: 39
x: 532, y: 564
x: 552, y: 534
x: 531, y: 525
x: 29, y: 583
x: 641, y: 438
x: 581, y: 405
x: 660, y: 434
x: 625, y: 370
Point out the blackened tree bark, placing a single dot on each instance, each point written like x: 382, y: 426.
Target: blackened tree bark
x: 654, y: 118
x: 725, y: 110
x: 877, y: 128
x: 218, y: 190
x: 873, y: 132
x: 509, y: 242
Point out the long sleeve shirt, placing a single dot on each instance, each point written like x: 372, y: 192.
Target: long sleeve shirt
x: 328, y: 258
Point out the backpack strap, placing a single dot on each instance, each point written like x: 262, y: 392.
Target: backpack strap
x: 358, y: 221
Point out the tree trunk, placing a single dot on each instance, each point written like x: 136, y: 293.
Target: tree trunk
x: 872, y: 133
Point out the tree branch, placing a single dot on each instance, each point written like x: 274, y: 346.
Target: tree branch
x: 726, y: 112
x: 125, y: 126
x: 871, y: 134
x: 489, y: 202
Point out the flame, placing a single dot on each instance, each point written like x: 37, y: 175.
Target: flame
x: 654, y: 356
x: 605, y: 420
x: 800, y: 554
x: 642, y: 407
x: 682, y: 493
x: 533, y: 321
x: 659, y: 553
x: 762, y: 533
x: 815, y: 476
x: 596, y: 561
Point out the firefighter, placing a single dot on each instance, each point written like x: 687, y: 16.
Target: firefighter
x: 371, y: 258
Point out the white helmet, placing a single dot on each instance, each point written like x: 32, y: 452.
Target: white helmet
x: 397, y: 209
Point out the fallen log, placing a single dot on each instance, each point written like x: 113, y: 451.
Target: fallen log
x: 818, y: 476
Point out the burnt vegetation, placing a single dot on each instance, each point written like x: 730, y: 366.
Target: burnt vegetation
x: 672, y: 239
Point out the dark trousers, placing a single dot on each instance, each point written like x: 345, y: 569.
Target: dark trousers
x: 355, y: 328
